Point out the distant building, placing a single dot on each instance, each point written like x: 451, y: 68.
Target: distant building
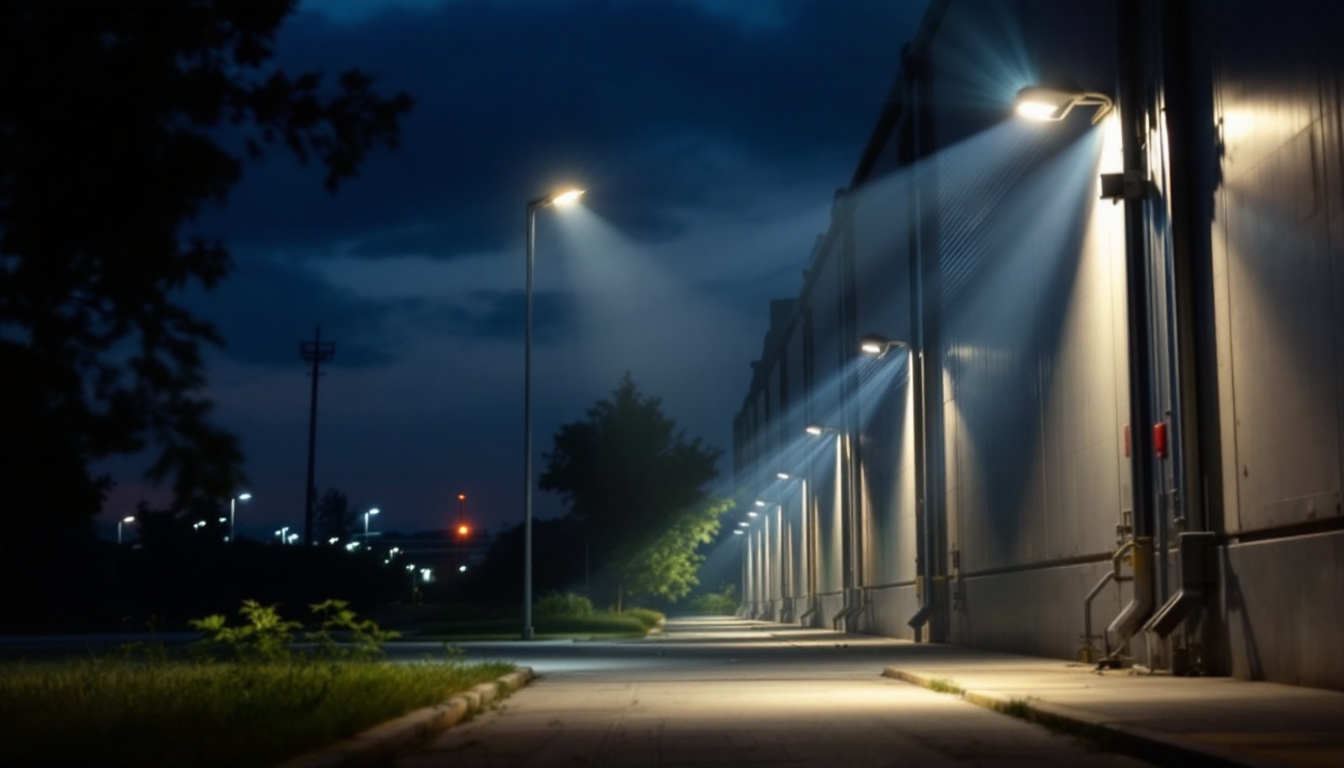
x: 1112, y: 350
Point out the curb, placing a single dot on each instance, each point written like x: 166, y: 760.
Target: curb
x: 381, y: 742
x: 1160, y: 748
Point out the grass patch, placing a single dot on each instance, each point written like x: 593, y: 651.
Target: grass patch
x: 115, y: 712
x: 943, y: 685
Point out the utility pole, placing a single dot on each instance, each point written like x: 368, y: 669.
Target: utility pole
x: 315, y: 352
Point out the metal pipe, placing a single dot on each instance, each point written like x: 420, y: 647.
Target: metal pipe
x: 1141, y: 603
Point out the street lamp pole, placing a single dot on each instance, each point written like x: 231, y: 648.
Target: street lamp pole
x: 563, y: 197
x: 373, y: 511
x: 122, y: 522
x: 233, y: 503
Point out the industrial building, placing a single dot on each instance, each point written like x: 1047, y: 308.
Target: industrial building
x: 1093, y: 253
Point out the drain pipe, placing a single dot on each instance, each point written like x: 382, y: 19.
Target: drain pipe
x: 914, y: 141
x: 1135, y: 194
x: 1131, y: 619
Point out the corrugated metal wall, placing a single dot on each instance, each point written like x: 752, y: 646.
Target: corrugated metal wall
x: 980, y: 240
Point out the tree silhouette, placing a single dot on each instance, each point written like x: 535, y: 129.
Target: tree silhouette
x: 637, y: 488
x: 335, y: 517
x: 120, y: 122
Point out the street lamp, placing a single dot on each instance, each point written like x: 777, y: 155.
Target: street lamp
x: 373, y: 511
x: 282, y: 534
x: 877, y: 346
x: 562, y: 197
x: 122, y: 522
x: 233, y: 503
x: 1050, y: 104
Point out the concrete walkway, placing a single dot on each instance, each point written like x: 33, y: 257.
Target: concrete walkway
x: 731, y: 692
x: 1166, y: 719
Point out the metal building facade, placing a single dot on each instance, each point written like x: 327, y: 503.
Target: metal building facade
x: 1107, y: 428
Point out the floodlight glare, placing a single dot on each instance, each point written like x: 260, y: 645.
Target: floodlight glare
x: 1049, y: 104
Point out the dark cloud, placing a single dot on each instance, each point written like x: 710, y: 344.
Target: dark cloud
x: 267, y: 308
x: 655, y: 105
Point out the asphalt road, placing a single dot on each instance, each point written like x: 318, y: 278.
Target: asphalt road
x: 725, y: 692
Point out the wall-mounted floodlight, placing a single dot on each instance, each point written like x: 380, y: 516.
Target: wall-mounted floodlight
x: 1037, y: 102
x: 874, y: 345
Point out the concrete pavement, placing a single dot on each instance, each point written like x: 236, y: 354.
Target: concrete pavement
x: 1172, y: 720
x: 726, y: 691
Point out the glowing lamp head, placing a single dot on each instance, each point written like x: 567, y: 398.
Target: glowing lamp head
x: 463, y: 530
x: 783, y: 475
x: 1037, y: 102
x: 461, y: 497
x: 813, y: 429
x: 877, y: 346
x: 566, y: 197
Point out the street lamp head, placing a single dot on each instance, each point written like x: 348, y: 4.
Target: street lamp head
x: 783, y: 475
x: 816, y: 430
x: 874, y: 345
x: 737, y: 531
x: 753, y: 513
x: 130, y: 519
x: 565, y: 197
x: 373, y: 511
x: 743, y: 524
x: 244, y: 496
x: 1037, y: 102
x: 761, y: 503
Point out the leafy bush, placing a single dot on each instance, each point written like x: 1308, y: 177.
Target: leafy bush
x: 563, y: 604
x: 646, y: 617
x: 598, y: 623
x: 715, y: 603
x: 265, y: 636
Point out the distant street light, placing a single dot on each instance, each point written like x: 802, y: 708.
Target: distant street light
x: 233, y: 503
x: 373, y: 511
x: 282, y: 533
x: 292, y: 538
x: 122, y: 522
x: 560, y: 198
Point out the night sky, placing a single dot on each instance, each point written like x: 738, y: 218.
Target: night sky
x: 711, y: 136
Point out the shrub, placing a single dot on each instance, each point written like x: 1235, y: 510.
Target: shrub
x: 646, y: 617
x: 715, y: 603
x: 563, y: 604
x: 264, y: 636
x: 598, y: 623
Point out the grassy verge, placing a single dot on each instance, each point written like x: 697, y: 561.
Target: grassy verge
x: 110, y: 712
